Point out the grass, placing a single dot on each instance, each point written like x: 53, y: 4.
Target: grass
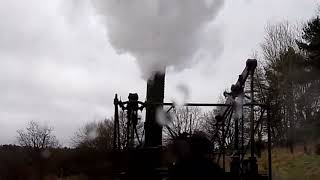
x: 296, y: 166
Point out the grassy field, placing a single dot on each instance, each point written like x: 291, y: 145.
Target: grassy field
x: 296, y: 166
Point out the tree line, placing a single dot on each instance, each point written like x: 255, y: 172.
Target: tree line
x: 291, y: 81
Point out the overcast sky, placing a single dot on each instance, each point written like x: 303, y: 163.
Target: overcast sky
x: 57, y: 65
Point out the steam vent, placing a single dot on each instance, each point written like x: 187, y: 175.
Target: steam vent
x: 155, y: 94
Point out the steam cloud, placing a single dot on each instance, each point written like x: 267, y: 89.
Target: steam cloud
x: 158, y: 33
x: 182, y: 96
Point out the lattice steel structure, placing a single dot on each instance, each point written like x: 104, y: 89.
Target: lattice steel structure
x: 229, y: 122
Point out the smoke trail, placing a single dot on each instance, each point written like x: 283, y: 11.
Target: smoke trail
x: 182, y: 95
x: 157, y: 33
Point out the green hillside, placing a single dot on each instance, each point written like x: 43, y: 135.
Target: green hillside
x: 297, y: 166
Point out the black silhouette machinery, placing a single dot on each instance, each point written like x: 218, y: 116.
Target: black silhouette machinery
x: 230, y: 121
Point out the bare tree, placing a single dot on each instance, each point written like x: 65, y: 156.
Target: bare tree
x: 279, y: 37
x: 85, y: 135
x: 37, y: 136
x: 183, y: 120
x: 95, y: 135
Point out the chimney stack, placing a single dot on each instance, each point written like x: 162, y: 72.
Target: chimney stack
x: 155, y: 94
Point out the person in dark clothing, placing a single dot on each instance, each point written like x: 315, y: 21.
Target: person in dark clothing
x: 192, y: 161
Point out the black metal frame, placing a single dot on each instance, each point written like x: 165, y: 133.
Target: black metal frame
x: 225, y: 129
x: 223, y: 123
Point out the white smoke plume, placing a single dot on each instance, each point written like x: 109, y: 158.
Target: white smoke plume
x: 182, y: 96
x: 158, y: 33
x: 163, y: 118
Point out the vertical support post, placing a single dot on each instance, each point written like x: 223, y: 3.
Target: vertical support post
x: 235, y: 162
x: 223, y: 145
x: 236, y: 134
x: 242, y: 136
x: 242, y: 125
x: 238, y: 108
x: 118, y: 132
x: 132, y: 118
x: 128, y: 127
x: 131, y: 141
x: 269, y: 144
x: 116, y: 124
x: 253, y: 161
x: 252, y: 116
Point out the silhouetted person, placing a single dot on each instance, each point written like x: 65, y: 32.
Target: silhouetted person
x: 192, y: 161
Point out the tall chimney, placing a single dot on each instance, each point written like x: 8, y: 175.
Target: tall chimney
x: 155, y: 94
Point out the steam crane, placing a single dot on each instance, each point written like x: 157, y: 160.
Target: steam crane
x: 144, y: 162
x: 235, y: 99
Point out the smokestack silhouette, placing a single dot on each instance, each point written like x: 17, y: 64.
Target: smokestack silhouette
x: 155, y: 94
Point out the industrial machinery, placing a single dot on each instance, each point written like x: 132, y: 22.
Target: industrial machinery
x: 144, y: 154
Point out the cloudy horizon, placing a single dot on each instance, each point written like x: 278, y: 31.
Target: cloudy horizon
x: 59, y: 67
